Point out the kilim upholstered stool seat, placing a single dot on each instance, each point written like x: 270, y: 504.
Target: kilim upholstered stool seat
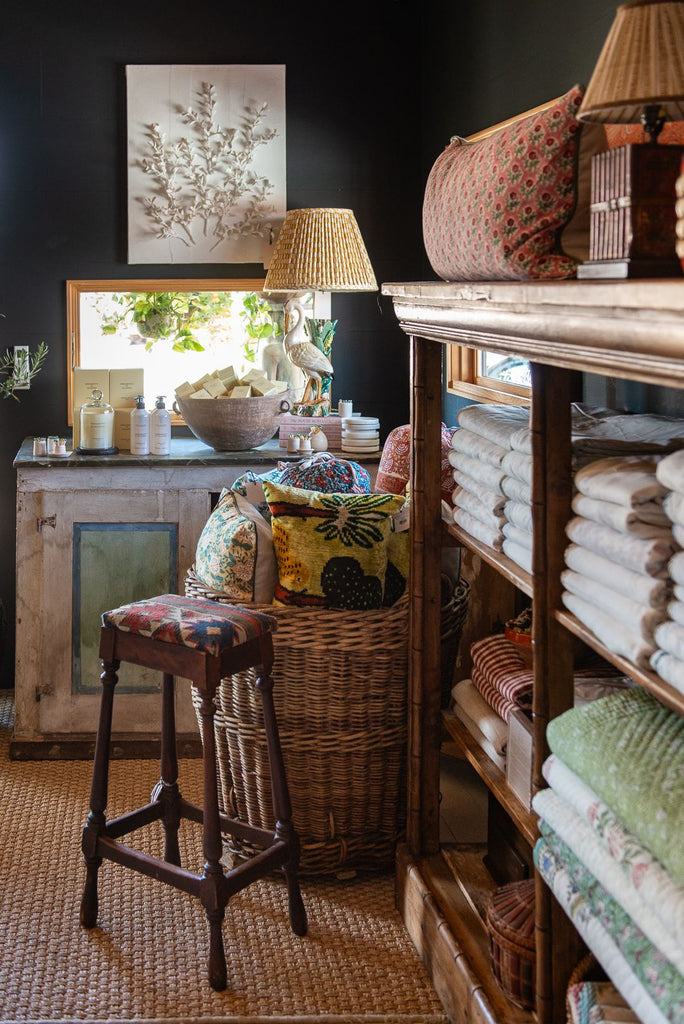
x: 201, y: 641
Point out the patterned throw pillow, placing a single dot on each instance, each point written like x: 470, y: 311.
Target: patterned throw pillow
x: 331, y: 549
x: 235, y: 553
x: 326, y: 473
x: 494, y: 209
x: 393, y: 469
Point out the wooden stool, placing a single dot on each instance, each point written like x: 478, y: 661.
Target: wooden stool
x: 202, y: 641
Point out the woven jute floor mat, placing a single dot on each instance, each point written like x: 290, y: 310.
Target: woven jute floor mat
x: 145, y: 962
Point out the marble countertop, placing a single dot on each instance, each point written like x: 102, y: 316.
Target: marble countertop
x: 185, y: 451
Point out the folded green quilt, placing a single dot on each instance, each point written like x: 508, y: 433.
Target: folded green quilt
x: 629, y: 749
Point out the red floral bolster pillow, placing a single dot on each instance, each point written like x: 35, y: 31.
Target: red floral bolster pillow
x: 495, y: 209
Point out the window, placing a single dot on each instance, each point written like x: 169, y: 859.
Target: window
x: 484, y: 376
x: 176, y: 330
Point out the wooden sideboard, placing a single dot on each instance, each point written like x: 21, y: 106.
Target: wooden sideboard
x: 631, y: 330
x: 94, y: 532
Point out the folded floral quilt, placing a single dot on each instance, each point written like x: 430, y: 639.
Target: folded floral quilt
x: 578, y: 836
x: 646, y: 979
x: 640, y: 868
x: 629, y: 748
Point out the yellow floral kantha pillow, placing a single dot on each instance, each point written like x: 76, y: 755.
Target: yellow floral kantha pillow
x: 331, y: 549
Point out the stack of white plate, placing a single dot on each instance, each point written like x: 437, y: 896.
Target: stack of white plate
x: 361, y: 434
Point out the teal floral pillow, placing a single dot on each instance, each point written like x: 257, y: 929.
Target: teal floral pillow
x: 235, y: 554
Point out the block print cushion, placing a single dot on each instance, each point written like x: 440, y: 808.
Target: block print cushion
x: 326, y: 473
x: 331, y: 549
x: 495, y: 209
x: 235, y: 553
x: 393, y: 469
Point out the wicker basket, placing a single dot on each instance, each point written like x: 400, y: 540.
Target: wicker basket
x: 510, y: 920
x: 341, y: 700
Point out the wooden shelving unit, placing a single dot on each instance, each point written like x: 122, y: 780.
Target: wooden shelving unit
x: 629, y: 329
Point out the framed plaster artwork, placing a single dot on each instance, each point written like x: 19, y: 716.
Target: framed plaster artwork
x: 206, y: 162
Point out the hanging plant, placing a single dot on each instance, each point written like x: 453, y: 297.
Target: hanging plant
x: 259, y: 323
x: 171, y: 316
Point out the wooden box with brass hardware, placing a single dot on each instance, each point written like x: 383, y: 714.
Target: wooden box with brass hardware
x: 632, y: 224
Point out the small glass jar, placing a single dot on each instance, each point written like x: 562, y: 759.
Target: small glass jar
x: 97, y: 426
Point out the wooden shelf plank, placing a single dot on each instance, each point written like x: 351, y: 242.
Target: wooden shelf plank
x: 493, y: 778
x: 649, y: 680
x: 514, y: 573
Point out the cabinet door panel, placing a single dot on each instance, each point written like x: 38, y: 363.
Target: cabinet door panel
x: 101, y: 549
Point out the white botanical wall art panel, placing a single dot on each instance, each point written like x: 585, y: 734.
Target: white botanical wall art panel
x: 206, y: 161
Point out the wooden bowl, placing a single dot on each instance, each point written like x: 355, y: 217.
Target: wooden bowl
x: 233, y: 424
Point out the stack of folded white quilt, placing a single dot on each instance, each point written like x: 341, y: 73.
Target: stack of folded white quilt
x: 479, y: 447
x: 616, y: 578
x: 610, y: 843
x: 491, y: 458
x: 668, y: 658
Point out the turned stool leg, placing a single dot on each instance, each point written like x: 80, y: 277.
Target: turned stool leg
x: 212, y: 888
x: 281, y: 804
x: 95, y: 822
x: 167, y: 791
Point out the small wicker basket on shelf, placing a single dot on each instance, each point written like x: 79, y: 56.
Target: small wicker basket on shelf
x: 341, y: 697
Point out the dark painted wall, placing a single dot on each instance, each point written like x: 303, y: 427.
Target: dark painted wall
x: 63, y: 172
x: 370, y: 104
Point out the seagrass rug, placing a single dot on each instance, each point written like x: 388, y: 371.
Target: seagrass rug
x: 145, y: 962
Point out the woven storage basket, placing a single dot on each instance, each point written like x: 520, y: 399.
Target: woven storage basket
x: 510, y: 920
x: 341, y: 700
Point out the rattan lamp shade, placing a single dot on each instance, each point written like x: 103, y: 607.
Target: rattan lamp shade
x: 641, y: 64
x: 320, y: 250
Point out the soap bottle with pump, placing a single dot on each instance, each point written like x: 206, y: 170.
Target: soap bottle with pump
x: 160, y: 428
x: 140, y: 428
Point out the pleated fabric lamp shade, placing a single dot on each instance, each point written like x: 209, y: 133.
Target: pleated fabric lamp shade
x: 641, y: 65
x: 320, y: 250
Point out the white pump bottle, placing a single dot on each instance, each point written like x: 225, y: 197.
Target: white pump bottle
x: 140, y: 428
x: 160, y: 428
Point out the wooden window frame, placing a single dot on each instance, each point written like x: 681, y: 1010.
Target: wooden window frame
x: 464, y: 380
